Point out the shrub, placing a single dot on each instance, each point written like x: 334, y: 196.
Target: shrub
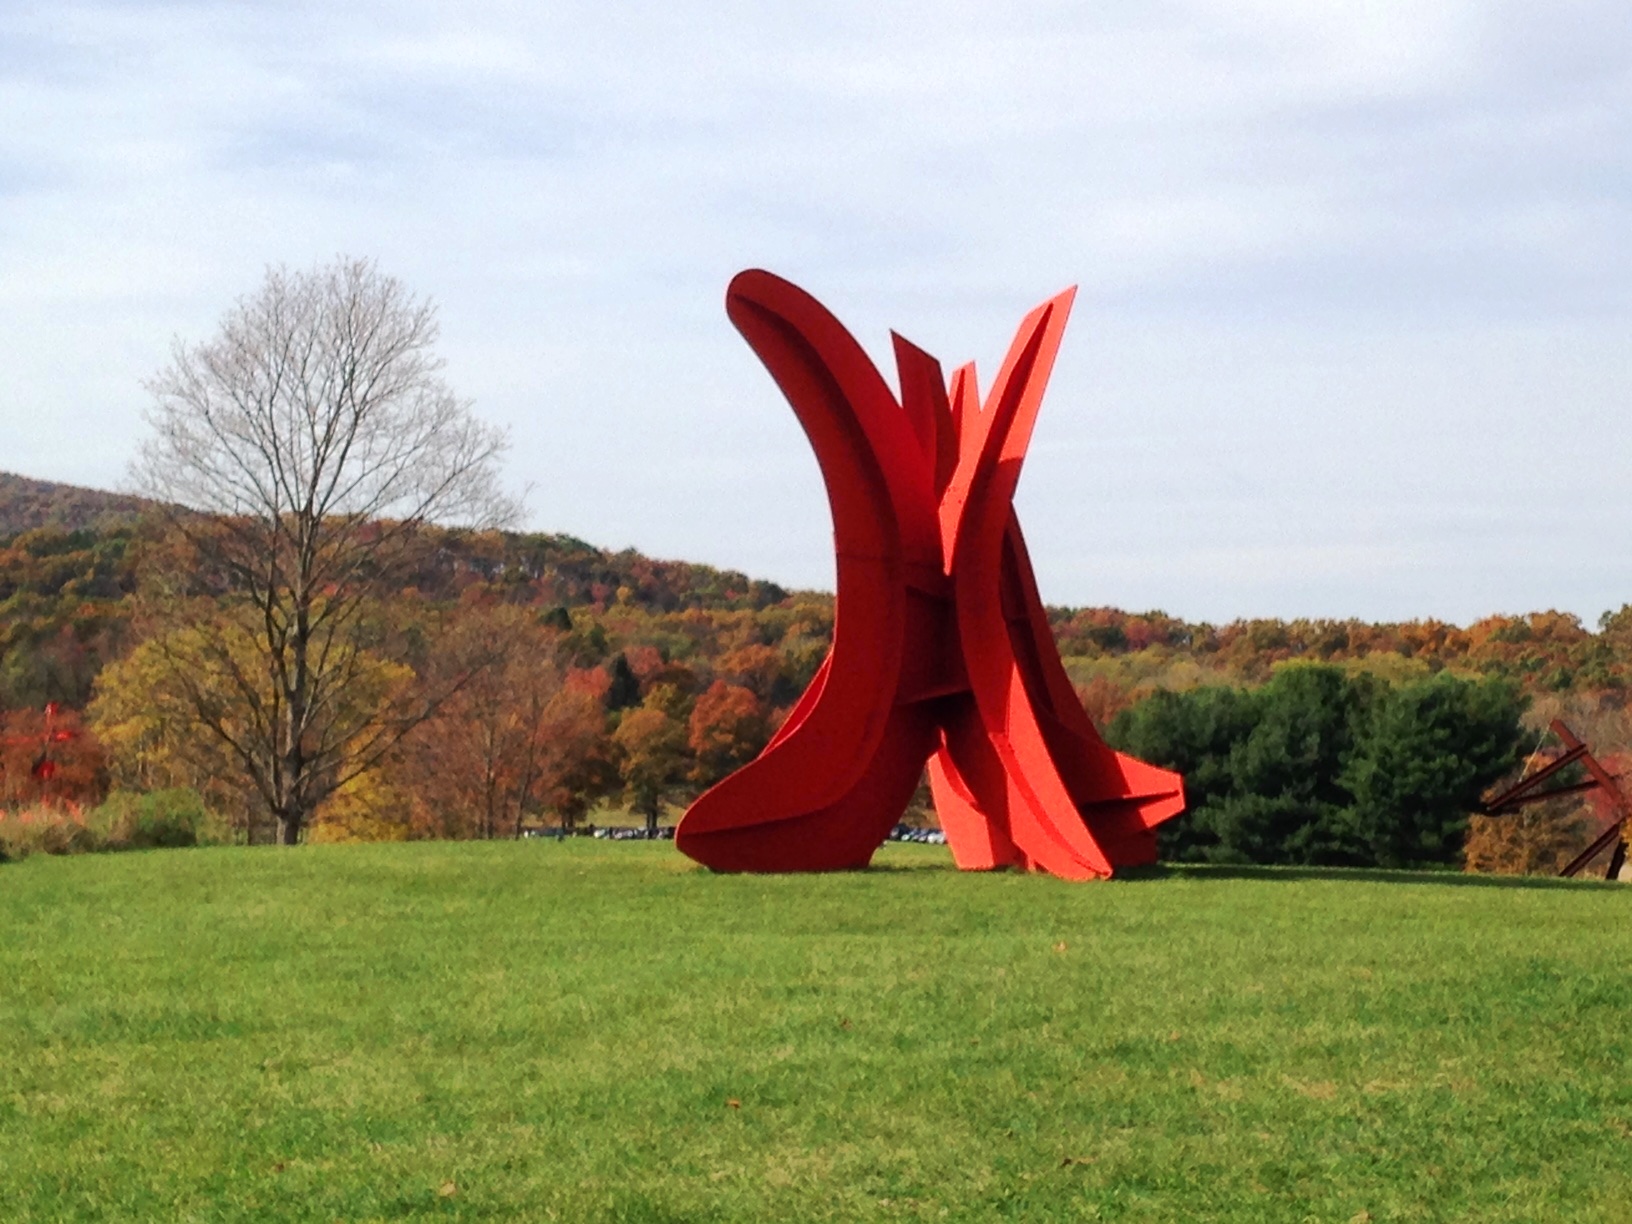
x: 156, y: 820
x: 46, y: 829
x: 126, y: 821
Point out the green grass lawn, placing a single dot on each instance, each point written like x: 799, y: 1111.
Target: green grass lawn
x: 593, y: 1031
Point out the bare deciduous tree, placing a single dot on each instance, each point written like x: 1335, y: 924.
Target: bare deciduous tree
x: 304, y: 448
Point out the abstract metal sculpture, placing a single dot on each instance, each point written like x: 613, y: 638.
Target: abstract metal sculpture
x: 1529, y: 789
x: 941, y: 649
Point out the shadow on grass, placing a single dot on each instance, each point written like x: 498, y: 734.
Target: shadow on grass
x: 1247, y: 871
x: 1373, y: 875
x: 908, y: 868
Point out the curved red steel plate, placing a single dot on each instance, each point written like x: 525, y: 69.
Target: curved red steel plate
x: 941, y: 645
x: 827, y: 790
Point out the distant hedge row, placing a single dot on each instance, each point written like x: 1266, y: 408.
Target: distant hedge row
x: 1322, y: 766
x: 127, y: 821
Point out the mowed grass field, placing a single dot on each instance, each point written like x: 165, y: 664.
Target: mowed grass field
x: 593, y: 1031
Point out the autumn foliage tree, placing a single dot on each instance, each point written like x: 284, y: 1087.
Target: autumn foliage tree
x: 171, y: 711
x: 652, y: 757
x: 1538, y: 839
x: 761, y: 669
x: 47, y: 756
x: 480, y: 765
x: 579, y: 764
x: 306, y: 447
x: 727, y: 729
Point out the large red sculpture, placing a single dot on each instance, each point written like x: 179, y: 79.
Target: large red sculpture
x: 941, y: 649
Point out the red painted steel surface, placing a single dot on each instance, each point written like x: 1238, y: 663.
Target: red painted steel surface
x: 941, y: 649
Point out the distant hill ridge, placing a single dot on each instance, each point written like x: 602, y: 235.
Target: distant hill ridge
x: 553, y: 568
x: 27, y: 504
x: 70, y: 559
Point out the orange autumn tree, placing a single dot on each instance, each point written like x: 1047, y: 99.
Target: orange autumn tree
x: 758, y: 668
x: 652, y: 758
x: 478, y: 766
x: 578, y: 765
x: 727, y: 729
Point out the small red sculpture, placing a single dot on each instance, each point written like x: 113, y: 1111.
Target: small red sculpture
x: 941, y: 648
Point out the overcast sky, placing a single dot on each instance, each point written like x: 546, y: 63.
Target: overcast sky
x: 1351, y: 338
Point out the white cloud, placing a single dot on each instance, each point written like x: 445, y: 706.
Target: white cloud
x: 1354, y: 275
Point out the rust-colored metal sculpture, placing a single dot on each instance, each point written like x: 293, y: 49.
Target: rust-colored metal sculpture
x: 941, y: 649
x: 1529, y: 789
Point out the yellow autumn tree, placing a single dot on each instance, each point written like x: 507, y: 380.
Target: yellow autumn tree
x: 185, y: 707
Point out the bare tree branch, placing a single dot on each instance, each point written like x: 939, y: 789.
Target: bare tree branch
x: 305, y: 446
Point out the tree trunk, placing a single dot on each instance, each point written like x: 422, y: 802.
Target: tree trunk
x: 288, y: 832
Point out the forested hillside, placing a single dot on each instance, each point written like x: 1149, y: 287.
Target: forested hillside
x: 616, y: 677
x: 27, y: 504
